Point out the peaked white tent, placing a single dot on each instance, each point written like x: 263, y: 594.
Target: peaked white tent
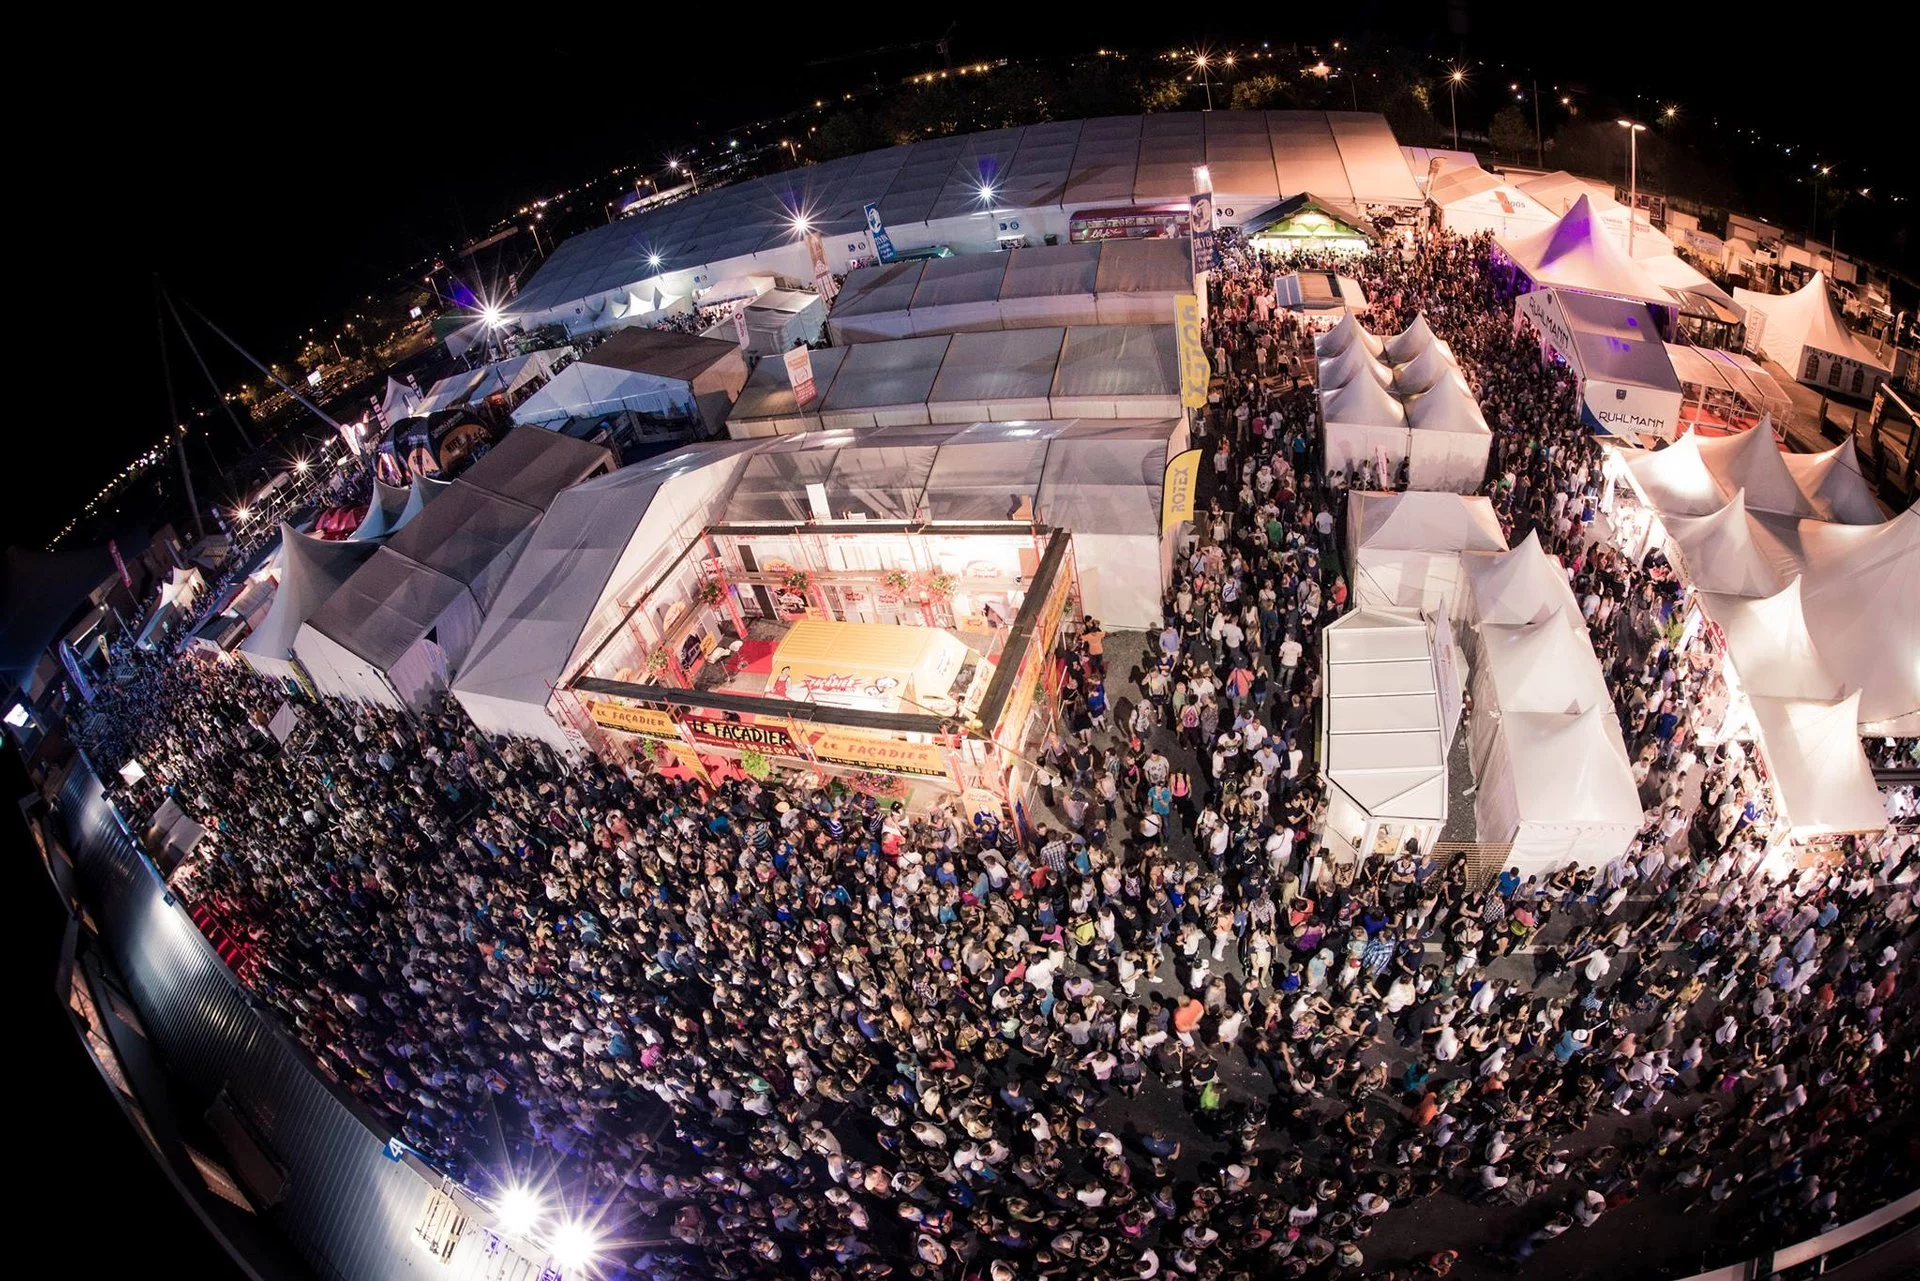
x: 1347, y: 332
x: 1363, y: 420
x: 1516, y: 587
x: 1382, y: 738
x: 1544, y: 666
x: 1410, y: 342
x: 1805, y: 333
x: 1751, y: 461
x: 422, y: 491
x: 1427, y: 370
x: 311, y: 570
x: 599, y: 544
x: 1557, y: 788
x: 1406, y: 547
x: 1450, y: 440
x: 1862, y: 599
x: 1821, y: 778
x: 1832, y: 480
x: 1675, y: 480
x: 1354, y: 361
x: 1471, y: 200
x: 1579, y: 254
x: 400, y: 401
x: 383, y: 512
x: 1718, y: 552
x: 1771, y: 645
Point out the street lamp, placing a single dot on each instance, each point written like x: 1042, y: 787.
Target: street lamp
x: 1200, y: 63
x: 1819, y: 172
x: 1457, y: 78
x: 1634, y: 130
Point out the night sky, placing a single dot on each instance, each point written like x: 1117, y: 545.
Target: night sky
x: 273, y: 173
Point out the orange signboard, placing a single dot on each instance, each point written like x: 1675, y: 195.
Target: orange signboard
x: 632, y: 720
x: 866, y: 751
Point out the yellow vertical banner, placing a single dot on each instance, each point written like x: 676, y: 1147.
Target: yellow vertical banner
x: 1195, y: 373
x: 1177, y: 488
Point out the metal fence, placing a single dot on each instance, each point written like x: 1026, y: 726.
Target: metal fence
x: 347, y: 1206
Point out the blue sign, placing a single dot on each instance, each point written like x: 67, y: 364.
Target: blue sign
x: 882, y: 242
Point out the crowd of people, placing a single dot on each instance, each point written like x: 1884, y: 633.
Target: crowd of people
x: 794, y: 1031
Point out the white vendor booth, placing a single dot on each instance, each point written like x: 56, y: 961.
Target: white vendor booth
x: 1406, y: 547
x: 1382, y: 737
x: 1409, y: 403
x: 1805, y: 334
x: 1614, y: 348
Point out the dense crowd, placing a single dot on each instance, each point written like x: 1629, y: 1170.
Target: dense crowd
x: 794, y: 1031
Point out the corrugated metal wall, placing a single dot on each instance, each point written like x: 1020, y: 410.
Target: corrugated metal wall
x: 347, y: 1207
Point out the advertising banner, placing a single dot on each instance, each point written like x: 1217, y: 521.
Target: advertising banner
x: 1200, y: 231
x: 1195, y: 372
x: 865, y: 751
x: 737, y: 736
x: 120, y: 563
x: 882, y: 242
x: 740, y: 324
x: 1177, y: 488
x: 799, y: 362
x: 632, y: 720
x: 71, y: 661
x: 822, y: 273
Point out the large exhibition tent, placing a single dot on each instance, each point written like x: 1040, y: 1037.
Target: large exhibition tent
x: 1383, y: 742
x: 400, y: 624
x: 1821, y: 778
x: 383, y: 512
x: 1050, y: 372
x: 1832, y: 481
x: 1406, y: 547
x: 1471, y: 200
x: 652, y: 372
x: 1805, y: 333
x: 783, y: 318
x: 599, y: 544
x: 311, y: 570
x: 1577, y: 253
x: 1626, y: 380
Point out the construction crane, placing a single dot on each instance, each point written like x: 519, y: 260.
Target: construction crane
x: 943, y: 44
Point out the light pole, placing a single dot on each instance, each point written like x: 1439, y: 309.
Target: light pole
x: 1813, y: 221
x: 1454, y: 80
x: 1634, y: 130
x: 1539, y: 139
x: 1200, y: 63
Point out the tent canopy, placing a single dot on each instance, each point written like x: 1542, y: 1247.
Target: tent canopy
x: 1577, y: 253
x: 383, y: 512
x: 1520, y: 586
x: 1542, y: 667
x: 1364, y: 402
x: 1719, y: 551
x: 1419, y: 521
x: 1384, y: 742
x: 1346, y: 331
x: 1354, y: 360
x: 1832, y: 480
x: 1751, y: 461
x: 1448, y: 407
x: 1770, y: 644
x: 1410, y: 342
x: 1821, y: 777
x: 1566, y: 771
x: 311, y: 571
x: 1807, y: 318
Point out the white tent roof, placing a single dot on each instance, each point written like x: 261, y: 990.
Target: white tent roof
x: 422, y: 491
x: 596, y: 539
x: 1363, y: 401
x: 1410, y: 342
x: 1751, y: 461
x: 1820, y: 775
x: 1806, y: 318
x: 1862, y: 599
x: 1348, y: 331
x: 1350, y: 363
x: 1420, y: 521
x: 383, y: 512
x: 1675, y: 479
x: 1520, y: 586
x: 1614, y: 340
x: 1771, y: 645
x: 1448, y: 407
x: 1577, y: 253
x: 1542, y: 667
x: 1384, y: 742
x: 1570, y: 769
x: 1716, y: 367
x: 311, y: 570
x: 1719, y: 553
x: 453, y: 391
x: 1833, y: 480
x: 1426, y: 370
x: 401, y: 401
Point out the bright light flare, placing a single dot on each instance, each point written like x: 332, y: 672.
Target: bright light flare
x: 575, y: 1248
x: 518, y: 1212
x: 653, y: 260
x: 300, y: 465
x: 802, y: 224
x: 986, y: 192
x: 491, y: 315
